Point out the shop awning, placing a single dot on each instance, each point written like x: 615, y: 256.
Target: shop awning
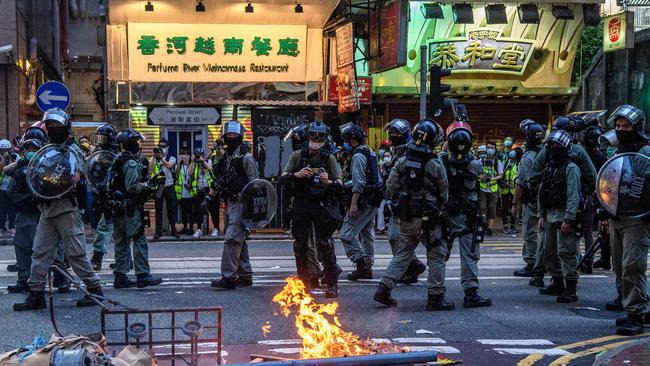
x: 279, y: 103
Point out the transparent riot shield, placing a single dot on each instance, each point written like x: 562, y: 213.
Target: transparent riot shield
x: 623, y: 185
x: 53, y: 171
x: 259, y: 203
x: 97, y: 170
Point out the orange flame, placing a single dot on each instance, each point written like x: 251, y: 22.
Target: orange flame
x: 266, y: 328
x: 321, y: 338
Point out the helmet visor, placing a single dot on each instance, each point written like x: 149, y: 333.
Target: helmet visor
x: 100, y: 140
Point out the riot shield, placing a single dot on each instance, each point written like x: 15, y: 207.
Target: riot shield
x: 259, y: 202
x: 623, y: 185
x: 50, y: 172
x: 97, y: 168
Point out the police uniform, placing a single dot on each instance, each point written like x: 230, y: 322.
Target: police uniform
x: 393, y: 223
x: 129, y: 225
x: 358, y: 232
x: 581, y: 159
x: 428, y: 188
x: 239, y: 168
x: 309, y: 216
x: 103, y: 232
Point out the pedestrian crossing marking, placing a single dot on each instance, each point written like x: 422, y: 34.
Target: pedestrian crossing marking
x: 515, y: 342
x: 531, y: 351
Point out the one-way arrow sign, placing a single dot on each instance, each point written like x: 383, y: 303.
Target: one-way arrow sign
x: 52, y: 94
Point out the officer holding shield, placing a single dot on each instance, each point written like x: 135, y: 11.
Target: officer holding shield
x: 629, y: 232
x: 60, y: 220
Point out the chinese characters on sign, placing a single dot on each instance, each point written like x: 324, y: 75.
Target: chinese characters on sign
x: 217, y: 52
x: 482, y: 50
x: 346, y: 78
x: 387, y: 36
x: 618, y: 32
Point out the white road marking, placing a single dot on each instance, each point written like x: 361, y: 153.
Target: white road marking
x: 531, y: 351
x: 515, y: 342
x: 288, y: 351
x: 439, y: 349
x: 280, y: 342
x: 419, y: 340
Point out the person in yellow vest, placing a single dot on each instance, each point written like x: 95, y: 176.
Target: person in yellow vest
x: 163, y: 161
x: 507, y: 190
x: 185, y: 191
x: 489, y: 182
x: 201, y: 181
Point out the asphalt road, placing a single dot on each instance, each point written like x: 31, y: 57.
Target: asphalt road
x: 522, y: 327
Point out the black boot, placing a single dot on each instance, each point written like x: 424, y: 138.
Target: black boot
x: 331, y: 291
x: 615, y: 305
x: 524, y: 272
x: 414, y: 270
x: 382, y: 296
x: 437, y: 303
x: 570, y: 293
x: 87, y: 301
x: 363, y: 271
x: 473, y: 300
x: 35, y: 301
x: 20, y: 286
x: 148, y: 280
x: 244, y: 282
x: 537, y: 281
x: 61, y: 283
x: 314, y: 283
x: 626, y: 318
x: 224, y: 283
x: 96, y: 260
x: 634, y: 325
x: 122, y: 281
x: 175, y: 233
x: 556, y: 288
x: 603, y: 263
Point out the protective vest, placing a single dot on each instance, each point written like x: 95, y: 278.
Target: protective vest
x: 509, y: 176
x: 311, y: 187
x: 457, y: 176
x: 230, y: 174
x: 553, y: 190
x: 178, y: 186
x: 195, y: 176
x: 490, y: 170
x: 117, y: 176
x: 156, y: 169
x: 372, y: 166
x: 414, y: 172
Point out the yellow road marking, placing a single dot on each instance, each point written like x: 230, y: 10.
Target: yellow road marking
x: 530, y: 360
x: 564, y: 360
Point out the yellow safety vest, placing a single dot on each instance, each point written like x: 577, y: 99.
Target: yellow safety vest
x: 178, y: 186
x: 509, y: 176
x: 492, y: 185
x: 195, y: 174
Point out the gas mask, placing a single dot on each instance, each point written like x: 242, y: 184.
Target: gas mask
x: 58, y: 135
x: 558, y: 153
x: 627, y: 138
x: 232, y: 143
x: 396, y: 140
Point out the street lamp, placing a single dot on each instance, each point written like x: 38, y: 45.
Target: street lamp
x: 199, y: 6
x: 249, y: 8
x: 298, y: 8
x: 148, y: 6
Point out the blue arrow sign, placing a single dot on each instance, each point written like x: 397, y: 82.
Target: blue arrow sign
x: 52, y: 94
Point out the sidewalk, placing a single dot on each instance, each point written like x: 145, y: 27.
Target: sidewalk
x: 635, y: 353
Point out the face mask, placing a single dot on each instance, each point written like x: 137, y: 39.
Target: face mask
x: 85, y: 146
x: 232, y: 143
x: 163, y: 150
x: 627, y: 138
x: 512, y: 155
x: 507, y: 143
x: 558, y: 153
x: 29, y: 155
x: 58, y: 135
x: 491, y: 152
x: 396, y: 140
x: 387, y: 159
x: 347, y: 147
x: 316, y: 145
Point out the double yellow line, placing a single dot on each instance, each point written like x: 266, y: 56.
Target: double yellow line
x: 564, y: 360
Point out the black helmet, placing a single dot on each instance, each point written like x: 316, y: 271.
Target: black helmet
x: 34, y: 133
x: 589, y: 137
x: 427, y: 134
x: 318, y: 130
x: 632, y: 114
x: 559, y: 137
x: 534, y: 134
x: 105, y: 136
x: 399, y: 132
x: 35, y: 144
x: 459, y: 143
x: 351, y: 131
x: 233, y: 127
x: 525, y: 123
x: 57, y: 115
x: 568, y: 124
x: 198, y: 151
x: 128, y: 140
x: 299, y: 138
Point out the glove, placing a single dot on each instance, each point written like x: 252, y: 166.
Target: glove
x: 602, y: 214
x: 158, y: 180
x: 206, y: 203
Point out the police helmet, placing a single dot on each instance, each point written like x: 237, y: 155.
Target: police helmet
x: 399, y: 125
x: 525, y: 124
x: 589, y: 137
x: 482, y: 149
x: 35, y: 144
x: 233, y: 127
x: 534, y: 134
x: 105, y: 135
x: 129, y: 140
x: 559, y: 137
x: 34, y: 133
x: 299, y: 137
x: 5, y: 144
x: 427, y: 134
x: 318, y: 131
x: 459, y: 125
x: 459, y: 142
x: 568, y: 124
x: 58, y: 116
x: 632, y: 114
x: 350, y: 131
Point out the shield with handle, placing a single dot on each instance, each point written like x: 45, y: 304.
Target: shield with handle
x: 623, y: 185
x: 97, y: 170
x: 259, y: 202
x: 51, y: 172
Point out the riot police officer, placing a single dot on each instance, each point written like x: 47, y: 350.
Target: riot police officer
x: 358, y: 230
x: 130, y: 188
x: 558, y: 201
x: 463, y: 171
x: 420, y: 181
x: 104, y: 140
x: 630, y: 237
x: 524, y: 194
x: 236, y: 169
x: 60, y: 220
x: 399, y: 135
x: 315, y: 175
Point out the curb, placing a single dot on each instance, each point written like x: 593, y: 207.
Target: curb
x: 604, y: 359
